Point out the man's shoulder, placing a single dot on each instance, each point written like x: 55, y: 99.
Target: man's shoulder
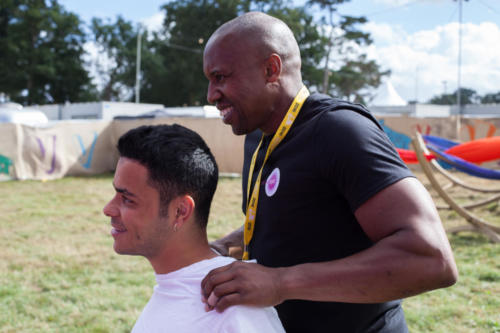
x: 330, y: 113
x: 202, y: 267
x: 217, y: 261
x: 328, y: 103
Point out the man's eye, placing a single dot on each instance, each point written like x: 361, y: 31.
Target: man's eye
x: 219, y: 77
x: 126, y: 200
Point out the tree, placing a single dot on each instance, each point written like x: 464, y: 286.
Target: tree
x: 467, y: 96
x: 172, y: 59
x: 11, y: 82
x: 42, y: 49
x: 444, y: 99
x: 118, y: 42
x: 188, y: 25
x: 173, y: 70
x: 355, y: 74
x: 354, y: 78
x: 492, y: 98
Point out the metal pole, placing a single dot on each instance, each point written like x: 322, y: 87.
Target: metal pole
x: 138, y: 65
x: 417, y: 69
x: 459, y: 74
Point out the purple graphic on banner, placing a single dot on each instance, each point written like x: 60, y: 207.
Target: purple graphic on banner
x: 43, y: 150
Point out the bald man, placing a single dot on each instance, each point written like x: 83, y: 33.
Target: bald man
x: 340, y: 228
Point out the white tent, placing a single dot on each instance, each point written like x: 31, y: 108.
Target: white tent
x: 14, y: 113
x: 206, y: 111
x: 386, y: 95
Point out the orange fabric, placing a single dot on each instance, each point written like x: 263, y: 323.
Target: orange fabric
x: 477, y: 151
x: 491, y: 130
x: 472, y: 132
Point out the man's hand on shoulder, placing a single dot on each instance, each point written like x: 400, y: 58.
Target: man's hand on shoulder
x: 242, y: 283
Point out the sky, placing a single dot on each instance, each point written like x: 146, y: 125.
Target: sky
x: 417, y: 40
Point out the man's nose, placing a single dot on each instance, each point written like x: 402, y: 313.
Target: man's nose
x: 110, y: 209
x: 213, y: 94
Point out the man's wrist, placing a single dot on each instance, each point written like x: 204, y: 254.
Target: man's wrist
x: 284, y: 284
x: 220, y: 247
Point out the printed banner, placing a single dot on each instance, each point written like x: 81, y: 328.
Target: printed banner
x: 73, y: 148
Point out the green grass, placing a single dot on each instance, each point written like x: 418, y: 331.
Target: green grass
x: 473, y: 303
x: 59, y: 273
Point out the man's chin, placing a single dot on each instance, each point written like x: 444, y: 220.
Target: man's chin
x: 239, y: 131
x: 123, y: 251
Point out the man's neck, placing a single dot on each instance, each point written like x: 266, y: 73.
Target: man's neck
x: 178, y: 257
x: 280, y: 110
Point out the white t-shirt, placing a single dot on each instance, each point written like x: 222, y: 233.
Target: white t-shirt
x: 176, y: 306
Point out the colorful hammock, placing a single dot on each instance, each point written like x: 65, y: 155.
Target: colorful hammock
x: 475, y: 151
x: 464, y: 166
x: 460, y: 156
x: 409, y: 156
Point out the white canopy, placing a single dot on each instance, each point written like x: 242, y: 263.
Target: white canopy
x: 14, y: 113
x: 386, y: 95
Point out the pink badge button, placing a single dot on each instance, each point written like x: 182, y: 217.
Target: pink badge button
x: 272, y: 182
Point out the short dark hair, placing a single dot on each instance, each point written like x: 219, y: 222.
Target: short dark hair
x: 179, y: 162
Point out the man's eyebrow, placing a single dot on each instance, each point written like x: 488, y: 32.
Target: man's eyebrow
x: 214, y: 72
x: 124, y: 191
x: 219, y: 71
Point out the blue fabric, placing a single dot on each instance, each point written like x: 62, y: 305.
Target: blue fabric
x: 399, y: 140
x: 464, y: 166
x: 439, y: 143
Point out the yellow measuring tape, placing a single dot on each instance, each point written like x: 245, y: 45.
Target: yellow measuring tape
x: 280, y: 134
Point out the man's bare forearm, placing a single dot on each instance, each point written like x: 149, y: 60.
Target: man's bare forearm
x: 233, y: 239
x: 389, y: 270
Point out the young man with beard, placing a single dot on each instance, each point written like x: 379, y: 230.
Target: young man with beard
x: 165, y: 180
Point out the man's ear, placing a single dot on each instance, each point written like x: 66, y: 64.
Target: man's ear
x: 273, y: 68
x: 183, y: 210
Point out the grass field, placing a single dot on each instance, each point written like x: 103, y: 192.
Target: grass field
x: 58, y: 272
